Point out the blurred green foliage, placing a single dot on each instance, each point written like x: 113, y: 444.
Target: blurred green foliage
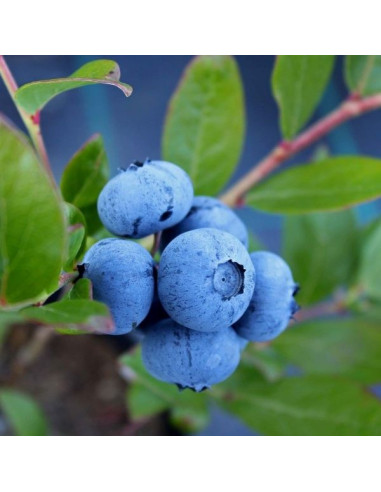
x: 314, y: 379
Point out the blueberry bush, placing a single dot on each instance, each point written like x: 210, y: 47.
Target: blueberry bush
x: 158, y: 254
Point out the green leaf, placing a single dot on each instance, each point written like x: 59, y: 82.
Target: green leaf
x: 9, y: 318
x: 32, y: 227
x: 86, y: 174
x: 347, y: 347
x: 73, y: 316
x: 254, y: 243
x: 24, y: 415
x: 83, y: 179
x: 82, y: 289
x: 322, y: 251
x: 148, y: 396
x: 362, y: 306
x: 266, y: 360
x: 370, y: 263
x: 302, y: 406
x: 367, y: 230
x: 205, y: 123
x: 332, y: 184
x: 143, y: 403
x: 33, y: 96
x: 363, y: 74
x: 192, y: 415
x: 76, y: 228
x: 93, y: 222
x: 298, y: 83
x: 373, y: 312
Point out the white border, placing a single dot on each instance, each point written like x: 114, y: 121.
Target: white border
x: 197, y: 27
x: 190, y: 464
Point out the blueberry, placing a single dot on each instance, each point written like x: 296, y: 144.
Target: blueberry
x: 206, y: 279
x: 122, y: 276
x: 208, y: 212
x: 156, y: 313
x: 272, y: 304
x: 145, y: 198
x: 189, y: 358
x: 242, y: 343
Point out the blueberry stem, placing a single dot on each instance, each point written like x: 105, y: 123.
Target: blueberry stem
x: 156, y: 244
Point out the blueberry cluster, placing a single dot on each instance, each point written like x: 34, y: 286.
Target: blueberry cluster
x: 206, y: 298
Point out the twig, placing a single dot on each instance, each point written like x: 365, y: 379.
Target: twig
x: 352, y: 107
x: 32, y: 122
x: 66, y: 278
x: 336, y: 306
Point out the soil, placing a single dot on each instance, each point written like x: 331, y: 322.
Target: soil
x: 75, y: 380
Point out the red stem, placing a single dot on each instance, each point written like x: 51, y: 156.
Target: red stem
x: 32, y: 122
x: 8, y: 77
x: 322, y: 309
x: 352, y: 107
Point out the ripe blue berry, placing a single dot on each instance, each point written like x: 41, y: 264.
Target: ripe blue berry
x: 242, y: 343
x: 145, y: 198
x: 272, y: 304
x: 208, y: 212
x: 156, y: 313
x: 206, y: 279
x: 189, y: 358
x: 121, y: 273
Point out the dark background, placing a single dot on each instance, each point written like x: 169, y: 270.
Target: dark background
x: 132, y: 127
